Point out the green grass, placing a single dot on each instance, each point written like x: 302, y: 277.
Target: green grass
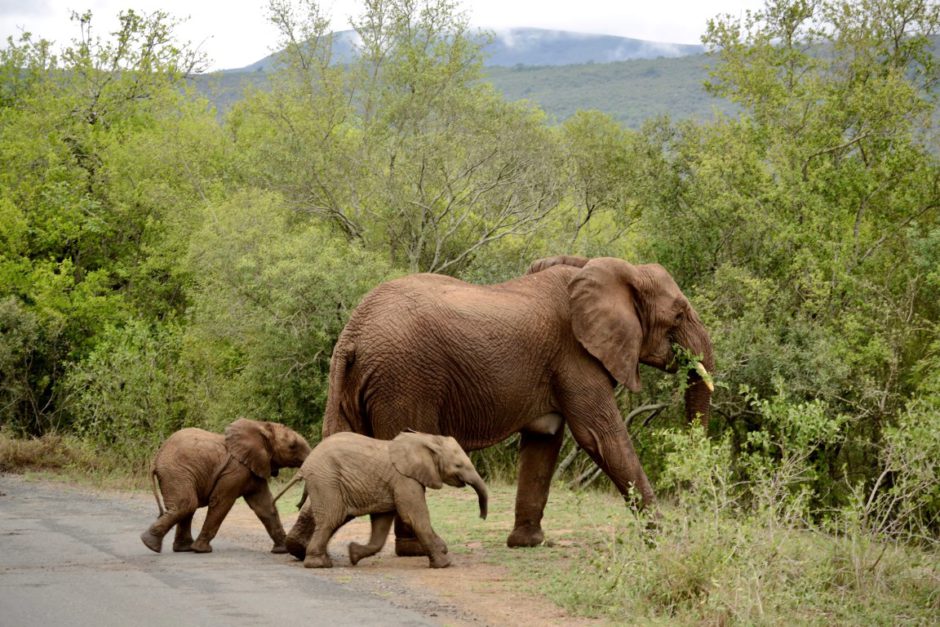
x: 698, y: 567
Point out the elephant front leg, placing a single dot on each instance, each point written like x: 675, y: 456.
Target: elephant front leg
x: 413, y: 510
x: 406, y: 542
x: 538, y: 454
x: 219, y: 507
x: 261, y: 503
x: 381, y: 523
x: 606, y: 440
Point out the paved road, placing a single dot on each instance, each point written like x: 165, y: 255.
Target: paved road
x: 71, y: 557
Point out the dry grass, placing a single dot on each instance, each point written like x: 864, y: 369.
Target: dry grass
x: 56, y: 456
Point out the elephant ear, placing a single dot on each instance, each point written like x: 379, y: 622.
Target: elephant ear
x: 604, y: 317
x: 415, y: 455
x: 558, y: 260
x: 249, y: 441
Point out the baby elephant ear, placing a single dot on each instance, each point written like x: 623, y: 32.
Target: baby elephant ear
x: 604, y: 317
x: 415, y: 455
x: 558, y: 260
x: 249, y: 441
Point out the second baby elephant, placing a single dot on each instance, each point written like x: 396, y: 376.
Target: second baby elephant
x: 349, y: 475
x: 196, y: 468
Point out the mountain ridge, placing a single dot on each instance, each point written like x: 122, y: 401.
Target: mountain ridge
x: 526, y: 46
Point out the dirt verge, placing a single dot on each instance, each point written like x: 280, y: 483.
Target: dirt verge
x: 470, y: 592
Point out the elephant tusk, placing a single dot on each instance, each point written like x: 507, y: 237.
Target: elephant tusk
x: 707, y: 378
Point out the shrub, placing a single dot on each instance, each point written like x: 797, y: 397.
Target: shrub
x: 130, y: 392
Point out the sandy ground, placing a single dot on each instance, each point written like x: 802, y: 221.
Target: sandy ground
x: 470, y: 592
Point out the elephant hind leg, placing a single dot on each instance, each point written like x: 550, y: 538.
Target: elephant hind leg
x: 538, y: 454
x: 381, y: 523
x: 327, y: 521
x: 301, y: 532
x: 184, y: 534
x: 175, y: 513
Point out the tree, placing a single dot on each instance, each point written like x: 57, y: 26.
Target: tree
x: 806, y: 225
x: 76, y: 220
x: 406, y: 151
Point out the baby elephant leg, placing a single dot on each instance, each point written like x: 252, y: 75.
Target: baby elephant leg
x: 262, y: 504
x: 301, y: 532
x: 219, y: 508
x: 175, y: 513
x: 380, y: 526
x: 413, y: 509
x: 329, y: 514
x: 184, y: 534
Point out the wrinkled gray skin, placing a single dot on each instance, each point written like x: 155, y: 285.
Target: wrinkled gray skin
x: 349, y: 475
x: 196, y: 468
x: 528, y: 356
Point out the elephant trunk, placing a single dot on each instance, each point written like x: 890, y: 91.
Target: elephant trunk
x: 476, y: 482
x: 698, y: 393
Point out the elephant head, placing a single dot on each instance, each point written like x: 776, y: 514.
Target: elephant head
x: 265, y: 447
x: 433, y: 460
x: 625, y: 315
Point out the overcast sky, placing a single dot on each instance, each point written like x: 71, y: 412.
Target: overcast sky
x: 235, y: 33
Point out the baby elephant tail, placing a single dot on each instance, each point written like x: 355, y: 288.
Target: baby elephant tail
x: 296, y: 478
x: 156, y: 492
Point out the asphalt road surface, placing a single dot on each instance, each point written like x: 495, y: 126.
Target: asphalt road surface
x: 74, y: 557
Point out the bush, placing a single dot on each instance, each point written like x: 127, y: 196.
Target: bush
x: 272, y: 295
x: 130, y: 393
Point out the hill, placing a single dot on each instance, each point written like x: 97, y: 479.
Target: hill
x: 527, y: 46
x: 630, y: 91
x: 561, y: 71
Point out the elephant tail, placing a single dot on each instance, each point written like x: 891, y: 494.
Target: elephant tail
x: 296, y: 478
x: 156, y: 489
x: 339, y: 415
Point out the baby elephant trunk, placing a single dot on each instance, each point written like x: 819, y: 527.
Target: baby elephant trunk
x: 476, y: 482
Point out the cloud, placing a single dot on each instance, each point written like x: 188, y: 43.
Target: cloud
x: 34, y: 8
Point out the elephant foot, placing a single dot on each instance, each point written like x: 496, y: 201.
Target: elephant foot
x: 525, y: 537
x: 182, y: 547
x: 152, y: 541
x: 318, y: 561
x: 440, y: 561
x: 296, y: 548
x: 409, y: 547
x: 358, y: 551
x: 279, y: 549
x: 201, y: 546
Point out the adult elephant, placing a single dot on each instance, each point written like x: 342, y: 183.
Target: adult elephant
x: 479, y: 363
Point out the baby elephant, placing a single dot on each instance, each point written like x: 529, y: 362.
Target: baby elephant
x: 196, y: 468
x: 348, y: 475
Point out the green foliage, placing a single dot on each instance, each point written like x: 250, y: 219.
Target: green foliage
x: 86, y: 209
x: 409, y: 154
x: 130, y: 392
x: 269, y: 302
